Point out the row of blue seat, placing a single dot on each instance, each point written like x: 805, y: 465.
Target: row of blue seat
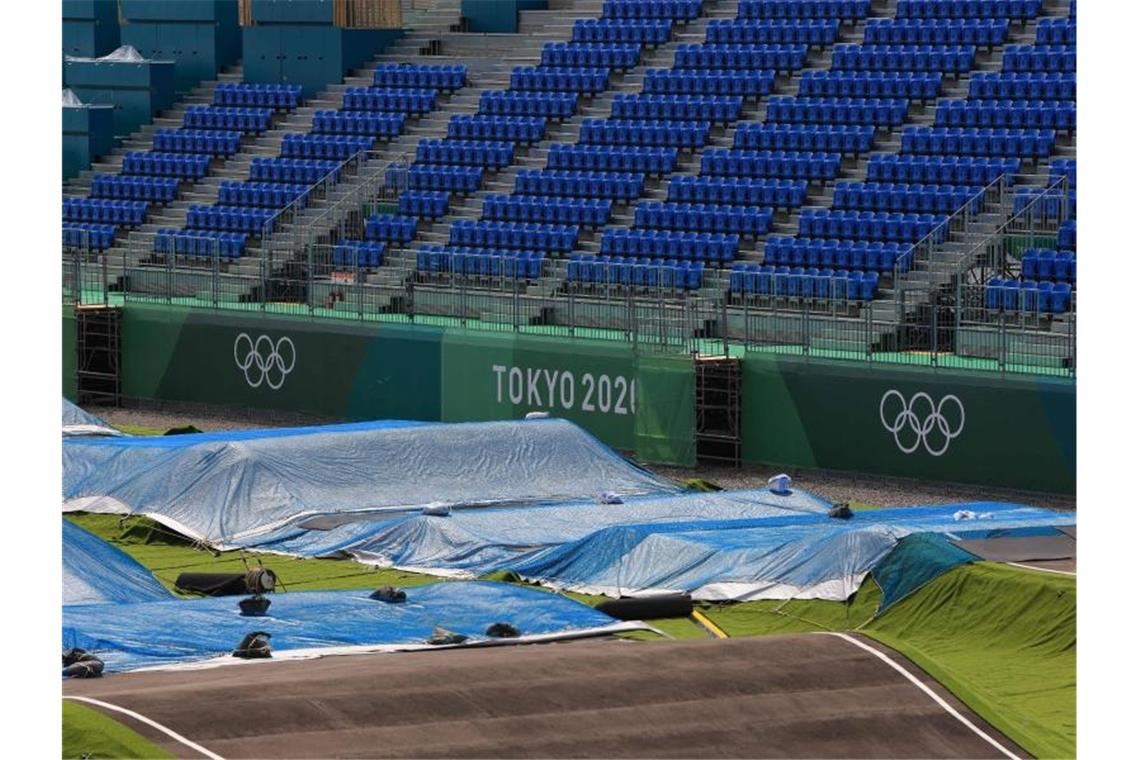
x: 118, y: 213
x: 335, y: 147
x: 971, y: 141
x: 800, y: 283
x: 480, y: 262
x: 866, y: 84
x: 880, y: 226
x: 528, y: 236
x: 424, y: 203
x: 749, y: 84
x: 454, y: 179
x: 725, y: 162
x: 661, y: 134
x: 739, y: 56
x: 843, y: 10
x: 689, y: 246
x: 359, y: 254
x: 214, y: 142
x: 1029, y: 296
x: 813, y: 32
x: 838, y: 254
x: 228, y: 119
x: 1053, y: 59
x: 499, y: 128
x: 373, y: 125
x: 207, y: 245
x: 880, y: 112
x: 165, y: 165
x: 635, y: 272
x: 1063, y: 167
x: 773, y: 193
x: 587, y: 80
x: 229, y: 218
x: 450, y: 77
x: 284, y: 97
x: 556, y: 105
x: 591, y: 55
x: 126, y: 187
x: 1043, y: 205
x: 980, y: 32
x: 96, y: 237
x: 798, y: 137
x: 262, y: 194
x: 1056, y: 31
x: 696, y: 217
x: 465, y: 152
x: 299, y: 171
x: 1054, y: 266
x: 939, y: 170
x: 949, y: 60
x: 547, y: 210
x: 1016, y: 114
x: 999, y: 86
x: 934, y: 9
x: 1067, y: 236
x: 394, y: 99
x: 579, y: 184
x: 911, y: 199
x: 681, y: 10
x: 677, y: 107
x: 633, y: 160
x: 615, y: 30
x: 390, y: 227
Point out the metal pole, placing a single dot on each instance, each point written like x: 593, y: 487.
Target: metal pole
x: 309, y: 271
x: 216, y: 261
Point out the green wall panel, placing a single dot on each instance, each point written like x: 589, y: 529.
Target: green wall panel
x: 663, y: 425
x: 398, y: 376
x: 1016, y: 433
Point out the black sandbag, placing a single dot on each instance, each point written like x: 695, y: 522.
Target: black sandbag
x: 212, y: 584
x: 648, y: 607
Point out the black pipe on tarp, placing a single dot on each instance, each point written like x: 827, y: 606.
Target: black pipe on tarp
x: 648, y: 607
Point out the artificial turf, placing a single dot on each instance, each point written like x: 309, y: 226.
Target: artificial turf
x: 90, y: 734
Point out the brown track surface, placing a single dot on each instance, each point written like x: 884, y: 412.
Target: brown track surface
x: 780, y: 696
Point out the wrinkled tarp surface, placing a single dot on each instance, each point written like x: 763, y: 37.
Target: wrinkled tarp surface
x: 96, y: 571
x: 129, y: 636
x: 478, y: 541
x: 227, y: 488
x: 785, y: 557
x: 76, y: 421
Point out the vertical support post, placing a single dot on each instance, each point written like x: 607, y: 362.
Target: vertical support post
x: 216, y: 261
x: 309, y: 277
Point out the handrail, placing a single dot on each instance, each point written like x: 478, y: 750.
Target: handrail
x: 267, y: 227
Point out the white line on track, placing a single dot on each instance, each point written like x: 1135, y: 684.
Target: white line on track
x: 153, y: 724
x: 1042, y: 569
x: 928, y: 691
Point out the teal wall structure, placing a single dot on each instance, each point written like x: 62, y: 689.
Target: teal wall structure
x: 90, y: 27
x: 88, y: 132
x: 496, y: 16
x: 137, y: 90
x: 200, y: 36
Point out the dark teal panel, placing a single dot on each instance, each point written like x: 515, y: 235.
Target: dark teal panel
x: 292, y: 11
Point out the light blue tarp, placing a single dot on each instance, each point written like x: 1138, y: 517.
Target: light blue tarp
x: 785, y: 557
x: 232, y: 487
x: 478, y: 541
x: 96, y: 571
x: 129, y: 636
x: 78, y: 422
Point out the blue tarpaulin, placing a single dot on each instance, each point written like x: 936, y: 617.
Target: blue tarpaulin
x: 77, y: 422
x: 130, y: 636
x: 785, y: 557
x: 229, y: 488
x: 96, y: 571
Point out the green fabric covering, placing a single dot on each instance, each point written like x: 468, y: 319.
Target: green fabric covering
x: 88, y: 733
x: 1004, y: 641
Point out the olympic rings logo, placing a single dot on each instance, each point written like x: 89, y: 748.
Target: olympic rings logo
x: 920, y: 422
x: 263, y: 361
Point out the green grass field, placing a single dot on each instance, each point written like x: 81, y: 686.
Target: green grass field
x: 88, y: 733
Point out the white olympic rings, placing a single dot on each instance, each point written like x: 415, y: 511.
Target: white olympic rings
x: 932, y: 423
x: 263, y: 361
